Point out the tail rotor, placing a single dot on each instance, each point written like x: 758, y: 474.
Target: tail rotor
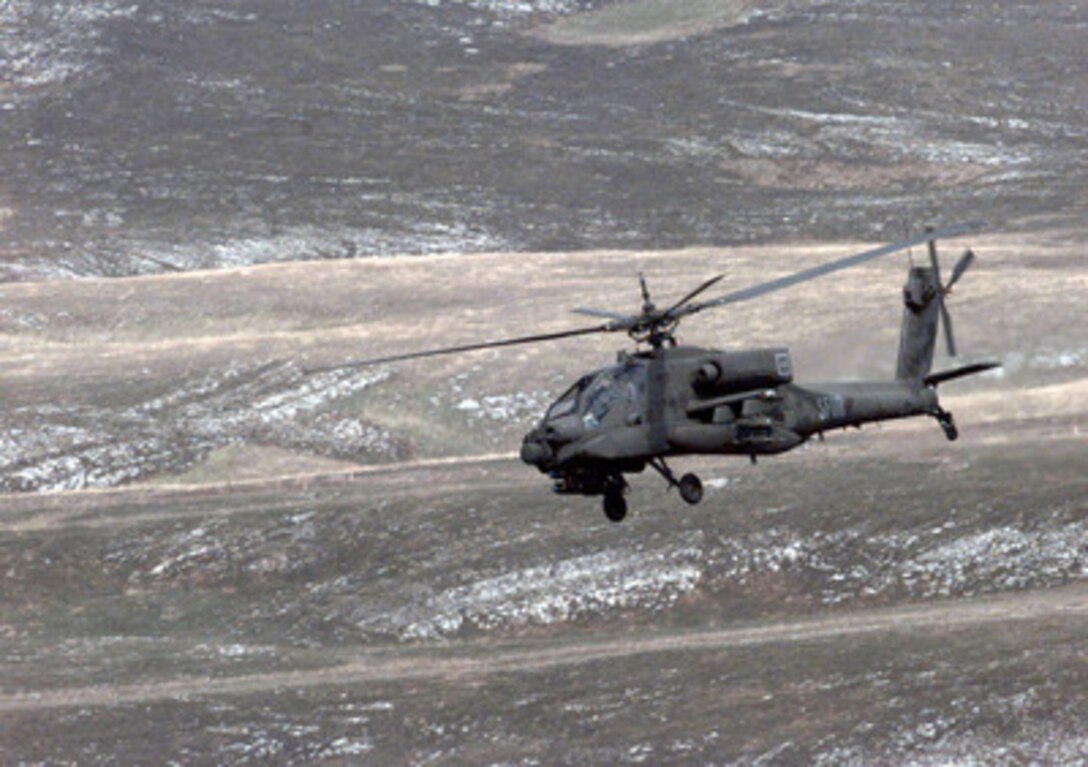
x: 944, y: 288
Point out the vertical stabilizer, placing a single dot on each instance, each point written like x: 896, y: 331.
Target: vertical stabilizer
x: 918, y: 336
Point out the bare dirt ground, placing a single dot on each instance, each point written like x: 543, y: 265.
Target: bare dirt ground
x: 210, y: 555
x: 266, y: 564
x: 112, y: 381
x: 462, y: 664
x: 883, y: 597
x: 860, y: 602
x: 240, y: 561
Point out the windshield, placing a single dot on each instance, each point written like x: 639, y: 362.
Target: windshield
x: 594, y: 396
x: 568, y: 402
x: 621, y: 385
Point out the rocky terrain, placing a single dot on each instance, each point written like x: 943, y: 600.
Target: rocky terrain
x: 141, y: 136
x: 459, y: 613
x: 237, y: 558
x: 214, y: 549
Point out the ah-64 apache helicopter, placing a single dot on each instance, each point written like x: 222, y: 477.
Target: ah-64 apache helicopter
x: 670, y: 400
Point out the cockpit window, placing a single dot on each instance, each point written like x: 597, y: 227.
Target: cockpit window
x: 568, y: 402
x: 595, y: 395
x: 609, y: 387
x: 599, y: 400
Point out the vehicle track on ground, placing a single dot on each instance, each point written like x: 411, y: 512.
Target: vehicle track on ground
x: 474, y: 660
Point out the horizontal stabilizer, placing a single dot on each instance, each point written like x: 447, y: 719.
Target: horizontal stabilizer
x: 967, y: 370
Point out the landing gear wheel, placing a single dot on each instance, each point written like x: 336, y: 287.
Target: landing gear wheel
x: 615, y: 505
x: 691, y: 489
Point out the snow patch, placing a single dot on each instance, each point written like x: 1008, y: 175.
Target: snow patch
x: 73, y: 448
x: 44, y: 43
x: 546, y: 594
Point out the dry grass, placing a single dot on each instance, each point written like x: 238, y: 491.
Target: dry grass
x: 818, y: 175
x: 113, y: 342
x: 510, y: 78
x: 243, y: 463
x: 319, y: 312
x: 648, y: 21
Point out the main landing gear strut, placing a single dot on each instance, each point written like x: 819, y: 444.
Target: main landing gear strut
x: 690, y: 486
x: 615, y: 487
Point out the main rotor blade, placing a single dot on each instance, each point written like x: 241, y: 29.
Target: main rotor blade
x: 464, y: 348
x: 590, y: 312
x: 818, y: 271
x: 709, y: 283
x: 645, y: 290
x: 946, y: 321
x: 961, y: 266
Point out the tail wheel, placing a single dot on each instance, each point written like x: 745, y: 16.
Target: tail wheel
x: 691, y: 489
x: 948, y: 425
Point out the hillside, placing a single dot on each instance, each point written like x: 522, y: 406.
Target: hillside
x: 117, y: 380
x: 142, y: 136
x: 213, y: 553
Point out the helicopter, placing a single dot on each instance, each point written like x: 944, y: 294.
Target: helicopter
x: 664, y: 400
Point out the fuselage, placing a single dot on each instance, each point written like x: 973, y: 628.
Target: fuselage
x: 677, y: 401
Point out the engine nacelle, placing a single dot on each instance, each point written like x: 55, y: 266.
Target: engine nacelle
x: 728, y: 372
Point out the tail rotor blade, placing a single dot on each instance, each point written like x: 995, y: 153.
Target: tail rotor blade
x: 933, y: 259
x: 958, y: 270
x: 961, y: 266
x: 946, y: 321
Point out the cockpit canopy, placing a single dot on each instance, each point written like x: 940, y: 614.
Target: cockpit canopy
x: 619, y: 389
